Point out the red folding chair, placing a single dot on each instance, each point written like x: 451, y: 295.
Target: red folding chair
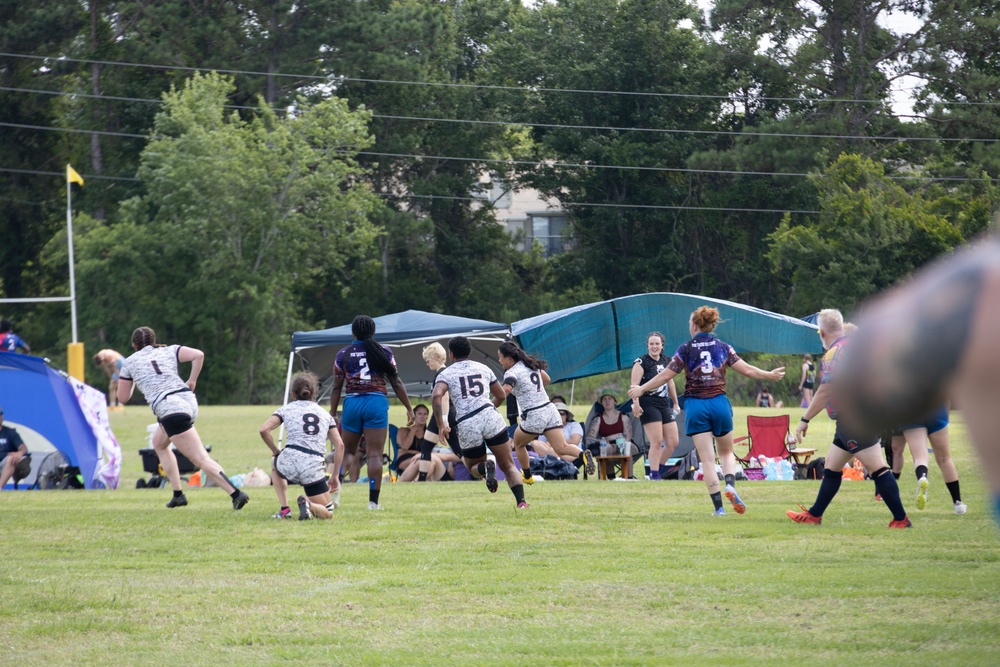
x: 767, y: 438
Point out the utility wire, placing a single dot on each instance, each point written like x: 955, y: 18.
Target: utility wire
x: 477, y: 86
x: 529, y: 163
x: 476, y: 199
x: 655, y: 130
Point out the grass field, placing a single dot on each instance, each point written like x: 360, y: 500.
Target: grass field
x: 594, y: 573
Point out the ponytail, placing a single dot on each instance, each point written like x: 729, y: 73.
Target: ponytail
x: 511, y: 350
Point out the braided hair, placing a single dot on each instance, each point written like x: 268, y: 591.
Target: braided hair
x: 144, y: 337
x: 363, y: 329
x: 511, y: 350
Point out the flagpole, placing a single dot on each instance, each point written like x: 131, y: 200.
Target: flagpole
x: 69, y: 236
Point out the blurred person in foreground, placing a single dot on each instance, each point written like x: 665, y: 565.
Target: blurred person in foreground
x: 932, y: 338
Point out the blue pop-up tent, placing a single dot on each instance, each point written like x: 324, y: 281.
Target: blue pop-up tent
x: 608, y: 335
x: 406, y: 334
x: 43, y: 406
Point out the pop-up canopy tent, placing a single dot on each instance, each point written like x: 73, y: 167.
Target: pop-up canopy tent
x: 52, y: 411
x: 406, y: 334
x: 609, y: 335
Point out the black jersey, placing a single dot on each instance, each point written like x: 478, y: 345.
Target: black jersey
x: 650, y: 369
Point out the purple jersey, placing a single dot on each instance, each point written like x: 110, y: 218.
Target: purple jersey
x: 704, y: 359
x: 352, y: 363
x: 828, y: 369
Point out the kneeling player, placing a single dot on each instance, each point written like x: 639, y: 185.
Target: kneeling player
x: 309, y: 426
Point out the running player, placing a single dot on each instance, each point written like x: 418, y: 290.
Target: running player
x: 525, y: 377
x: 367, y: 366
x: 153, y: 369
x: 847, y: 443
x: 301, y: 461
x: 656, y: 409
x: 709, y: 413
x: 478, y: 420
x: 933, y: 430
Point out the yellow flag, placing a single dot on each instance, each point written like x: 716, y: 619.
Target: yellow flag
x: 72, y: 176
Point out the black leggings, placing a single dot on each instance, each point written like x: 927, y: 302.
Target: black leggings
x: 425, y: 450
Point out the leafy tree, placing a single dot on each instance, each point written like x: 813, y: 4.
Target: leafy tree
x: 869, y: 234
x: 237, y: 214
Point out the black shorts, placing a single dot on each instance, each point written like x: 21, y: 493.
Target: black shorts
x: 852, y: 444
x: 405, y: 456
x: 808, y: 384
x: 656, y: 409
x: 176, y: 424
x: 432, y: 427
x: 316, y: 488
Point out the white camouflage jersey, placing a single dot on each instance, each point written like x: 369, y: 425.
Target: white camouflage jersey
x: 154, y: 372
x: 307, y: 425
x: 469, y: 385
x: 527, y: 386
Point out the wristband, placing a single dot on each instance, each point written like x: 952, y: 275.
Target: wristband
x: 803, y: 420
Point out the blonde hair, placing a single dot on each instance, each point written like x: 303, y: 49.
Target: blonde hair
x: 434, y: 351
x: 830, y: 320
x: 849, y: 328
x: 705, y: 319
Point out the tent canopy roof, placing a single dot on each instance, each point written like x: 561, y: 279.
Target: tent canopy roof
x: 609, y: 335
x: 407, y: 333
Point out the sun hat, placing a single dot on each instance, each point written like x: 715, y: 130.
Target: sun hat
x: 561, y: 407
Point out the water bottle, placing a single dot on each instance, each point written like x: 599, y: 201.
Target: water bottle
x: 604, y: 446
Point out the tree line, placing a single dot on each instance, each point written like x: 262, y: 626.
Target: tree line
x: 257, y: 168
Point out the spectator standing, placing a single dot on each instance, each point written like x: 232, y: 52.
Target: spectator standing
x: 10, y: 341
x: 111, y: 362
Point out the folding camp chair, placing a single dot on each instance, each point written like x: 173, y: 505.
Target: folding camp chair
x: 767, y: 438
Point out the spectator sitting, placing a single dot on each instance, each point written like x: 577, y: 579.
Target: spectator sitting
x: 765, y: 399
x: 572, y: 433
x: 12, y: 450
x: 410, y: 439
x: 608, y: 423
x: 10, y: 341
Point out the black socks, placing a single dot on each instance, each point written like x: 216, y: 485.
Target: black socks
x: 828, y: 489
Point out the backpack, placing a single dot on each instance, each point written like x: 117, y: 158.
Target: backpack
x: 815, y: 468
x: 553, y: 467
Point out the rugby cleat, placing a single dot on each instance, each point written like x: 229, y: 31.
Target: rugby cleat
x: 719, y: 512
x: 491, y: 475
x: 903, y: 523
x: 734, y: 498
x: 283, y: 513
x: 178, y: 501
x: 374, y: 506
x: 240, y: 500
x: 588, y: 462
x: 305, y: 513
x: 960, y: 508
x: 522, y: 505
x: 527, y: 479
x: 804, y: 517
x: 922, y: 485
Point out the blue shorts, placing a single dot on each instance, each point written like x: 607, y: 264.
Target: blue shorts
x: 934, y: 422
x: 363, y: 411
x: 703, y: 415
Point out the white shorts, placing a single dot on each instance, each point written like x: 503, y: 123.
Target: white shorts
x: 480, y: 426
x: 300, y: 468
x: 541, y: 419
x: 181, y: 403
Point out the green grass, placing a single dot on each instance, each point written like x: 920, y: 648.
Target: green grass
x: 594, y: 573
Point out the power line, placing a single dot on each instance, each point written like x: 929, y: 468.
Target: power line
x: 654, y: 130
x: 106, y: 133
x: 476, y: 86
x: 476, y: 199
